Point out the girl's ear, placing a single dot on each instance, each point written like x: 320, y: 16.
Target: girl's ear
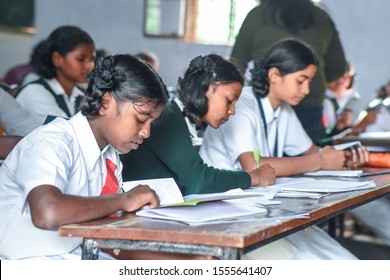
x: 106, y: 100
x: 56, y: 59
x: 274, y: 74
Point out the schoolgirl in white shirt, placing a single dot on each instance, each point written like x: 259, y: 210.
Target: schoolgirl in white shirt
x: 66, y: 58
x: 58, y: 174
x: 15, y: 119
x: 264, y: 120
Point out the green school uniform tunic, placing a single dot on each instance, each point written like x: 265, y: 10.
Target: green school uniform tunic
x: 169, y: 152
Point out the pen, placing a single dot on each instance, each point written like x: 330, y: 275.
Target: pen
x: 256, y: 156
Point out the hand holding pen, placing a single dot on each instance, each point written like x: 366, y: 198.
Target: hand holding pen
x: 263, y: 175
x: 256, y: 156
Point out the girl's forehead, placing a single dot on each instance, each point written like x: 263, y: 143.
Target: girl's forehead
x: 146, y: 107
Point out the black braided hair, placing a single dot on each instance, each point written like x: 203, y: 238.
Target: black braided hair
x: 201, y: 73
x: 288, y: 56
x: 126, y: 78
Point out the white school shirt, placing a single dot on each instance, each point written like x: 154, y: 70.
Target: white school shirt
x: 63, y: 153
x: 36, y: 99
x: 244, y: 132
x: 382, y: 121
x: 329, y: 109
x: 15, y: 119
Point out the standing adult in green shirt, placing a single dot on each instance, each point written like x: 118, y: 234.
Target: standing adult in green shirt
x: 207, y: 94
x: 274, y: 20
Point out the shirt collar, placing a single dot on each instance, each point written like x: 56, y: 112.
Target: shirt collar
x: 190, y: 125
x: 87, y: 140
x: 270, y: 114
x: 59, y: 90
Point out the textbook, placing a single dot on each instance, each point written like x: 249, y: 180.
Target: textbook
x: 170, y: 195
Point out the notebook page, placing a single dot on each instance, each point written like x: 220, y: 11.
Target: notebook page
x: 166, y: 189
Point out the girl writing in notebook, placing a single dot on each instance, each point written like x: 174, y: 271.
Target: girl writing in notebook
x: 265, y: 121
x: 207, y: 94
x: 66, y: 57
x: 69, y: 171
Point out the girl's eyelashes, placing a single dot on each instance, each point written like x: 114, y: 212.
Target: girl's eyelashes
x: 141, y: 121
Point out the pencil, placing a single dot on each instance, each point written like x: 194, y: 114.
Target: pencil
x: 256, y: 156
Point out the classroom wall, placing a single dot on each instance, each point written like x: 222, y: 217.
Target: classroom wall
x: 118, y: 27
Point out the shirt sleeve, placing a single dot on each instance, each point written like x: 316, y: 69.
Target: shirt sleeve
x: 46, y: 165
x: 298, y: 141
x: 15, y: 119
x: 239, y: 132
x: 39, y: 102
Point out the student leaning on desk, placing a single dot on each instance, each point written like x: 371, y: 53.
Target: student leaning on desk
x: 207, y: 94
x: 69, y: 171
x: 264, y: 120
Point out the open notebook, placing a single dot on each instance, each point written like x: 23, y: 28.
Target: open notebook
x: 188, y: 209
x: 203, y: 212
x: 170, y: 195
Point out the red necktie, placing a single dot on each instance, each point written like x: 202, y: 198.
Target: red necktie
x: 111, y: 185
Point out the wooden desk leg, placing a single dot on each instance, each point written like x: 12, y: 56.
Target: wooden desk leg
x: 89, y: 252
x: 332, y: 227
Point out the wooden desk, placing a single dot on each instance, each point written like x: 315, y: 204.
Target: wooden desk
x: 226, y: 241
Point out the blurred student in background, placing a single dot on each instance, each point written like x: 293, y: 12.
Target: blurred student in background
x: 151, y: 58
x: 382, y: 121
x: 341, y: 97
x: 65, y: 59
x: 14, y: 119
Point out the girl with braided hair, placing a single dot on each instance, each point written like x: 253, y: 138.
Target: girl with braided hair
x: 208, y: 92
x: 69, y: 171
x: 265, y: 121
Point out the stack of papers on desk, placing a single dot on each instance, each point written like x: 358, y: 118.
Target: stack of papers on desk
x: 336, y: 173
x: 306, y: 187
x: 326, y: 186
x: 170, y: 195
x: 203, y: 213
x: 188, y: 209
x: 366, y: 171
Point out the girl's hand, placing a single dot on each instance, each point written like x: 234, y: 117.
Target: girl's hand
x: 263, y: 175
x: 356, y: 159
x: 344, y: 121
x: 331, y: 159
x: 140, y: 197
